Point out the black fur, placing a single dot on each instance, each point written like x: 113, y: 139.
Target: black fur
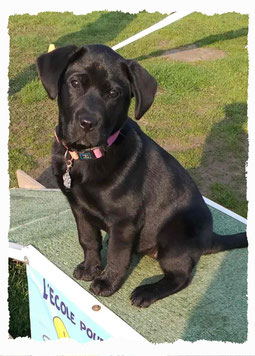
x: 137, y: 192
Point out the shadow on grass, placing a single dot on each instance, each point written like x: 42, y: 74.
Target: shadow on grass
x: 199, y: 43
x: 226, y: 184
x: 22, y: 79
x: 103, y: 30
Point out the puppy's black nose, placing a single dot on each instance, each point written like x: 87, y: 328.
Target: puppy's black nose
x: 87, y: 124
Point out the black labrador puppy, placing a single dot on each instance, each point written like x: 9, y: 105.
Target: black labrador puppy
x: 119, y: 180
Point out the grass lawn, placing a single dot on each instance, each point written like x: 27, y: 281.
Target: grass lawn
x: 18, y: 300
x: 200, y: 111
x: 199, y: 114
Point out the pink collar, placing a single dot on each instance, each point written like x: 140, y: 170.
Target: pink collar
x: 90, y: 153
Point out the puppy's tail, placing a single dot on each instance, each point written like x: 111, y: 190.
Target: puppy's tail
x: 226, y: 242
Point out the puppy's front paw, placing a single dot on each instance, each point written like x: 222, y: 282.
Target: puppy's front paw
x: 86, y: 272
x: 102, y: 286
x: 143, y: 296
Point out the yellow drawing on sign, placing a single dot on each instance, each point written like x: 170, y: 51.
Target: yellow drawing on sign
x: 60, y: 328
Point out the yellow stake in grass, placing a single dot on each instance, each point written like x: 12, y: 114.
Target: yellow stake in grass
x: 51, y: 47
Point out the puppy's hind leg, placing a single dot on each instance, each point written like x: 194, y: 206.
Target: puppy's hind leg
x: 177, y: 275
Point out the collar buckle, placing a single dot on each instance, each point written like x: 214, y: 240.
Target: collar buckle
x: 86, y: 155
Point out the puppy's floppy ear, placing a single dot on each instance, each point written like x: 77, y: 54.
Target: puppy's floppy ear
x: 143, y: 86
x: 51, y: 65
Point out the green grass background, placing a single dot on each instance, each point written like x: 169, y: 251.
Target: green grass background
x: 19, y: 323
x: 200, y: 111
x: 199, y: 114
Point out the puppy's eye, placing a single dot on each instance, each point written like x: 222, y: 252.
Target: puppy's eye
x: 75, y: 83
x: 113, y: 93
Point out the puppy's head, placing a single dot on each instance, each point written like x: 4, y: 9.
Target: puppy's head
x: 94, y: 86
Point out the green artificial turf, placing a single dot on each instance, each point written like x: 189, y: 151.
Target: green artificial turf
x: 213, y: 307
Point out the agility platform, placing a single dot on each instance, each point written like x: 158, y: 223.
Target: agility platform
x: 213, y: 307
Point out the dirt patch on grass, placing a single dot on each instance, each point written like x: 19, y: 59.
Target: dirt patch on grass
x: 214, y: 166
x: 226, y: 172
x: 43, y: 173
x: 175, y: 145
x: 193, y: 53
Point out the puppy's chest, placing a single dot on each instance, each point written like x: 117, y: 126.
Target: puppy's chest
x: 107, y: 205
x: 95, y: 204
x: 102, y: 199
